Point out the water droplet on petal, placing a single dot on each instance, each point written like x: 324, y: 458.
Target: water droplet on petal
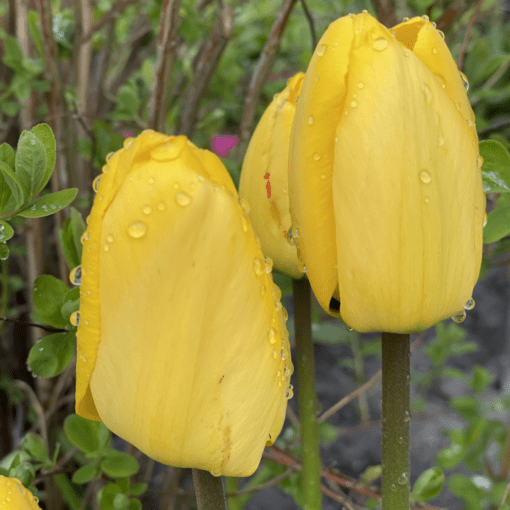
x: 274, y: 354
x: 95, y: 183
x: 75, y: 276
x: 434, y: 24
x: 310, y: 119
x: 161, y: 206
x: 262, y: 290
x: 354, y: 103
x: 427, y: 93
x: 470, y: 304
x: 109, y: 155
x: 137, y: 229
x: 441, y: 34
x: 464, y: 79
x: 272, y: 335
x: 317, y: 78
x: 405, y: 18
x: 479, y: 162
x: 361, y: 85
x: 485, y: 219
x: 106, y: 247
x: 269, y: 264
x: 84, y: 237
x: 151, y: 180
x: 457, y: 105
x: 440, y: 140
x: 441, y: 80
x: 245, y: 206
x: 427, y: 200
x: 425, y: 17
x: 316, y: 156
x: 425, y: 177
x: 170, y: 150
x: 348, y: 328
x: 183, y: 199
x: 128, y: 142
x: 322, y: 49
x: 74, y: 319
x: 301, y: 266
x: 434, y: 51
x: 380, y: 44
x: 459, y: 317
x: 259, y: 267
x: 277, y: 293
x: 147, y: 209
x: 289, y: 393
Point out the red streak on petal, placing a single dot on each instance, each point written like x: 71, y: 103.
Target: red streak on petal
x: 268, y: 185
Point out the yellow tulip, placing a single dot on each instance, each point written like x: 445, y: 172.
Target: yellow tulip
x: 384, y: 177
x: 14, y: 496
x: 182, y: 344
x: 264, y: 179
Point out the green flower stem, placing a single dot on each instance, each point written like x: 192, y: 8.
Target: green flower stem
x: 231, y: 486
x: 307, y: 396
x: 395, y: 421
x: 209, y: 491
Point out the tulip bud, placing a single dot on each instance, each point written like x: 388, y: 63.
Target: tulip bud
x: 384, y: 177
x: 264, y: 178
x: 182, y: 344
x: 15, y: 497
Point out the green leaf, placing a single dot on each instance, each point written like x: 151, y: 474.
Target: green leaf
x: 33, y: 28
x: 84, y: 474
x: 6, y: 231
x: 45, y: 134
x: 71, y: 303
x: 68, y: 491
x: 107, y: 495
x: 34, y: 445
x: 13, y: 56
x: 7, y: 155
x: 138, y: 489
x: 24, y: 472
x: 48, y: 295
x: 135, y: 504
x: 14, y: 184
x: 428, y: 485
x: 120, y: 464
x: 495, y: 168
x: 49, y: 204
x: 51, y: 355
x: 30, y: 163
x: 4, y: 251
x: 449, y: 457
x: 82, y: 433
x: 480, y: 379
x: 120, y: 502
x: 498, y: 225
x: 70, y: 237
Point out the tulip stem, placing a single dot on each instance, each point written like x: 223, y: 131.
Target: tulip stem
x: 395, y: 421
x: 307, y: 396
x: 209, y: 491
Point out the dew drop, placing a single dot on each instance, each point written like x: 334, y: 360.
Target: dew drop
x: 289, y: 393
x: 128, y: 142
x: 393, y: 487
x: 441, y: 34
x: 434, y: 24
x: 109, y: 155
x: 175, y: 185
x: 74, y: 319
x: 106, y: 247
x: 405, y: 18
x: 479, y: 162
x: 269, y: 264
x: 137, y: 229
x: 485, y: 219
x: 95, y: 183
x: 259, y: 267
x: 407, y: 417
x: 245, y: 206
x: 354, y: 103
x: 425, y: 177
x: 282, y: 354
x: 316, y: 156
x: 151, y: 180
x: 380, y: 44
x: 277, y: 293
x: 147, y: 209
x: 465, y: 81
x: 302, y: 266
x: 361, y: 85
x: 427, y: 200
x: 262, y: 290
x: 459, y: 317
x: 427, y: 93
x: 406, y: 53
x: 170, y: 150
x: 21, y: 489
x: 322, y: 49
x: 348, y: 328
x: 161, y: 206
x: 310, y: 119
x: 75, y: 276
x: 317, y: 78
x: 440, y: 140
x: 470, y: 304
x: 323, y: 176
x: 434, y: 51
x: 285, y: 314
x: 403, y: 479
x: 336, y: 138
x: 244, y: 223
x: 183, y: 199
x: 425, y: 17
x: 272, y: 334
x: 274, y: 354
x: 457, y: 105
x: 441, y: 79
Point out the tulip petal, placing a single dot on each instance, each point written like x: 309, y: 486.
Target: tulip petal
x: 264, y: 178
x: 319, y: 110
x: 191, y: 361
x: 14, y: 496
x: 406, y: 194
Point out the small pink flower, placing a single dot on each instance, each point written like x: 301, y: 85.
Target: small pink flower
x: 128, y: 134
x: 222, y: 144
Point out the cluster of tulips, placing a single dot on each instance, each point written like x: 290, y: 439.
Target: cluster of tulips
x: 363, y: 174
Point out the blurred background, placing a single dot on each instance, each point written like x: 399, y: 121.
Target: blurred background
x: 93, y: 70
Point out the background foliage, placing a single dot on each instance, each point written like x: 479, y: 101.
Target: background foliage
x: 86, y: 70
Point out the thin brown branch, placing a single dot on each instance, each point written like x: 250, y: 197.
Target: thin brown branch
x: 209, y: 57
x: 262, y: 69
x: 467, y: 35
x: 271, y: 483
x: 309, y: 17
x: 50, y: 329
x: 22, y: 385
x: 113, y: 13
x: 337, y: 497
x: 385, y: 12
x: 164, y: 59
x: 362, y: 389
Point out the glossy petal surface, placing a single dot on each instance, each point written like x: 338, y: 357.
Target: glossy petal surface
x: 13, y: 496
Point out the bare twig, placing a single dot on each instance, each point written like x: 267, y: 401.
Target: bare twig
x: 164, y: 59
x: 505, y: 496
x: 467, y: 35
x: 50, y: 329
x: 260, y: 74
x: 271, y: 483
x: 309, y: 17
x: 22, y: 385
x: 116, y: 9
x: 385, y: 12
x: 337, y: 497
x: 358, y: 391
x: 209, y: 57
